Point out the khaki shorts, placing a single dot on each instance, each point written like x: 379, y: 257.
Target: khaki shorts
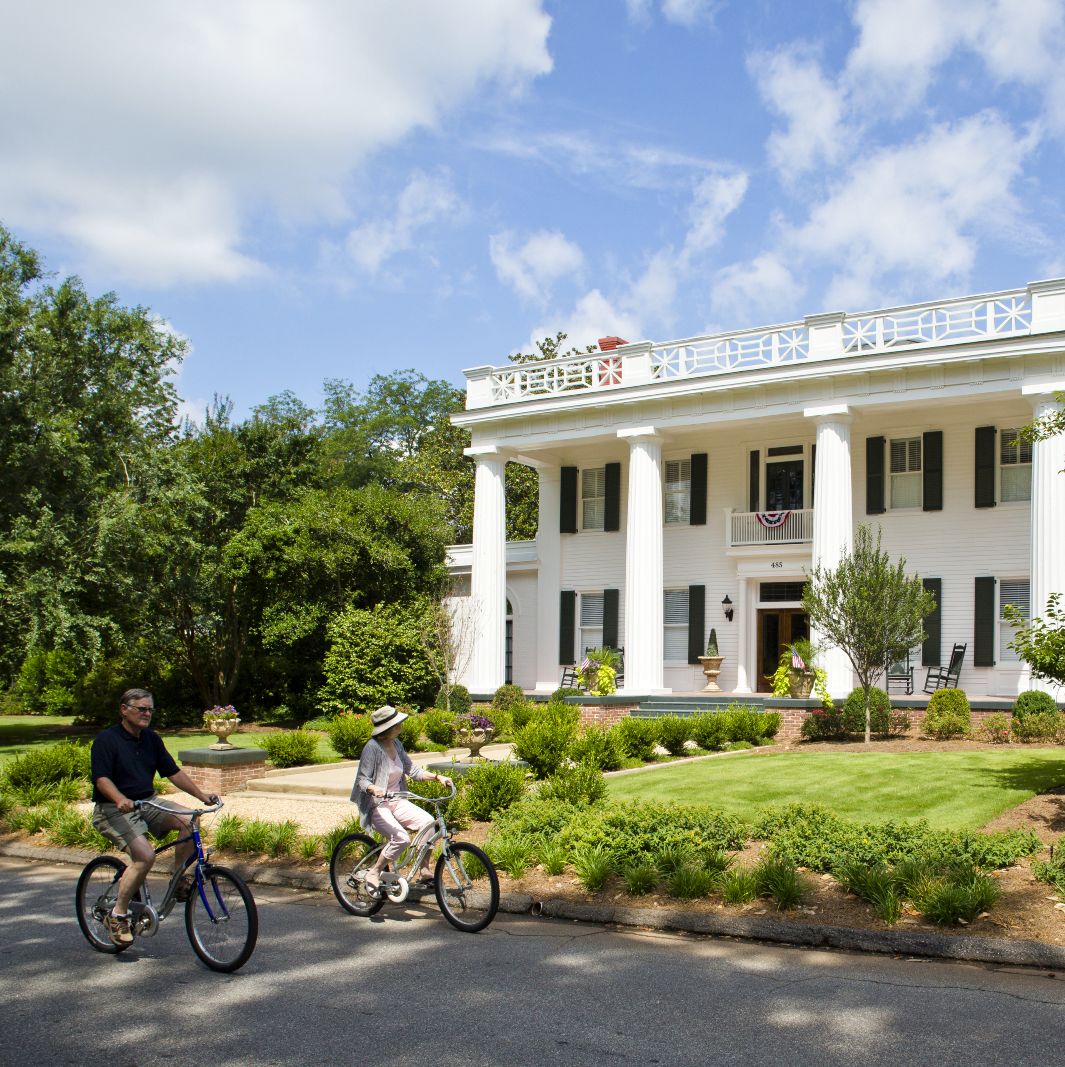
x: 122, y: 827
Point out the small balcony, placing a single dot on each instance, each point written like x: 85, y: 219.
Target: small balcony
x: 770, y: 527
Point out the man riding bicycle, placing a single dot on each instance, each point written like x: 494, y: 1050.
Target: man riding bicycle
x: 125, y: 759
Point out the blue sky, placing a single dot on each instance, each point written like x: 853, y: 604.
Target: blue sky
x: 312, y: 189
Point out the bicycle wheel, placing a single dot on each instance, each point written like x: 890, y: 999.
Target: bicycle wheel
x: 351, y: 859
x: 221, y: 920
x: 94, y: 898
x: 467, y: 888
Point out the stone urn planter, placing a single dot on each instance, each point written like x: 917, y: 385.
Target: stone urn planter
x: 801, y: 683
x: 222, y: 728
x: 711, y: 666
x: 475, y: 738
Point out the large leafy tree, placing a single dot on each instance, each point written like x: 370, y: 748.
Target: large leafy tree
x: 869, y: 608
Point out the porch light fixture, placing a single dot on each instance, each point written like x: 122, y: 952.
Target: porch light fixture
x: 727, y: 605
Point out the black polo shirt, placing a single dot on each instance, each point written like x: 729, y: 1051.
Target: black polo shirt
x: 130, y: 762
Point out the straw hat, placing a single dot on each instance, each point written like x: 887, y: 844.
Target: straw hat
x: 385, y: 718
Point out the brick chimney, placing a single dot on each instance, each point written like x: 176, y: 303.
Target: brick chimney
x: 608, y: 344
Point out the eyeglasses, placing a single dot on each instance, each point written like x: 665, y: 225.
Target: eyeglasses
x: 140, y: 707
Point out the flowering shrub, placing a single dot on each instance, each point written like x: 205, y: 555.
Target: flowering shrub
x: 474, y: 721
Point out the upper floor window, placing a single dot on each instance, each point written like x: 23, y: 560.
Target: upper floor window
x: 593, y: 498
x: 591, y: 616
x: 1014, y: 593
x: 1015, y: 461
x: 678, y: 489
x: 906, y: 472
x: 675, y: 628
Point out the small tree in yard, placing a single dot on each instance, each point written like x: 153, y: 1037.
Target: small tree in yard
x: 448, y: 636
x: 869, y: 608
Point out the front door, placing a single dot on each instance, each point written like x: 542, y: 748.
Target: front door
x: 783, y: 485
x: 777, y: 627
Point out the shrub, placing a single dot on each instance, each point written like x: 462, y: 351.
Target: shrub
x: 772, y: 721
x: 47, y: 765
x: 822, y: 725
x: 947, y: 715
x: 513, y: 855
x: 440, y: 726
x: 640, y: 878
x: 410, y: 733
x: 552, y: 857
x: 688, y: 882
x: 581, y: 784
x: 996, y: 729
x: 348, y: 734
x: 708, y: 731
x: 1039, y: 726
x: 564, y: 691
x: 738, y: 886
x: 778, y: 879
x: 875, y: 884
x: 949, y: 900
x: 520, y: 714
x: 599, y: 747
x: 455, y: 698
x: 879, y: 712
x: 506, y: 696
x: 674, y: 731
x: 227, y: 832
x: 672, y: 856
x: 290, y: 748
x: 493, y: 787
x: 309, y: 847
x: 1033, y: 702
x: 638, y: 736
x: 544, y: 741
x: 593, y: 865
x: 743, y: 724
x: 47, y: 683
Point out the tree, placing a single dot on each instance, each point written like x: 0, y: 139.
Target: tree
x: 869, y: 608
x: 448, y: 636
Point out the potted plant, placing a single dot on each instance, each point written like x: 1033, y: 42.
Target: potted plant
x: 474, y: 732
x: 797, y: 675
x: 711, y: 664
x: 598, y: 671
x: 222, y: 722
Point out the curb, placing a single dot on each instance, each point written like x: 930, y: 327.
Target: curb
x: 807, y: 935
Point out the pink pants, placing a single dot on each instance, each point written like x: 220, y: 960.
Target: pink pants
x: 393, y: 819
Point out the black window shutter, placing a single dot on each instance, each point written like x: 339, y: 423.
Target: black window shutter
x: 610, y: 618
x: 932, y: 470
x: 984, y: 623
x: 874, y: 475
x: 756, y: 467
x: 567, y: 512
x: 696, y: 622
x: 697, y: 508
x: 985, y: 466
x: 930, y: 653
x: 567, y: 618
x: 612, y: 504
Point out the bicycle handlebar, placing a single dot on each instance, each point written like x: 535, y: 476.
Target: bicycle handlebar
x: 209, y: 810
x: 405, y: 794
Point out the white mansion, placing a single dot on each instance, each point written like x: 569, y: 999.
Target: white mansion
x: 691, y: 484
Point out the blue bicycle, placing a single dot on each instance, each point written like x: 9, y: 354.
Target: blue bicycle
x: 220, y: 915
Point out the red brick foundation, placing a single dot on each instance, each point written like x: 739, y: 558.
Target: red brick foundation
x: 223, y: 771
x: 605, y: 715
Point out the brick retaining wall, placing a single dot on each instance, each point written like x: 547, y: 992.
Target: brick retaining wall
x: 223, y: 780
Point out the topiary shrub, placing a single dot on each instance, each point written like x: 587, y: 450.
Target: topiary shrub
x: 639, y: 737
x: 440, y: 726
x: 709, y: 731
x: 544, y: 741
x: 743, y: 724
x: 599, y: 747
x: 506, y: 696
x: 290, y: 748
x: 1033, y: 702
x: 493, y: 787
x: 455, y: 698
x: 772, y: 721
x: 879, y: 712
x: 564, y: 691
x: 947, y: 715
x: 674, y: 731
x: 348, y: 734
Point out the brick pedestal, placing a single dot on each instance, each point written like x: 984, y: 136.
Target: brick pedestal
x: 223, y: 771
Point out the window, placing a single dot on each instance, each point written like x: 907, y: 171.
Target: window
x: 593, y: 498
x: 1015, y: 459
x: 1014, y: 593
x: 591, y: 628
x: 906, y: 473
x: 675, y: 629
x: 678, y: 491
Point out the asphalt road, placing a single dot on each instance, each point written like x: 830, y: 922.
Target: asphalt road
x: 405, y: 988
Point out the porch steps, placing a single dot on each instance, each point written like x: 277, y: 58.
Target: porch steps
x: 652, y: 707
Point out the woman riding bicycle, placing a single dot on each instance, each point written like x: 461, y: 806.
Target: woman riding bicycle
x: 383, y: 768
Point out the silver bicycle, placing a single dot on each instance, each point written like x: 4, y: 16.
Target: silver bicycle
x: 464, y: 880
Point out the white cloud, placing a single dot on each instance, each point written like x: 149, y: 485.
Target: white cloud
x: 716, y: 196
x: 792, y: 83
x: 759, y: 290
x: 532, y: 269
x: 592, y: 317
x: 687, y: 13
x: 160, y: 130
x: 426, y: 200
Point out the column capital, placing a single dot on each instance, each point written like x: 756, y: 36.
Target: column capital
x: 637, y: 433
x: 829, y: 413
x: 487, y: 452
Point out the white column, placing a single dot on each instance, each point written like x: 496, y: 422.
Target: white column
x: 548, y: 580
x: 488, y: 596
x: 1048, y: 521
x: 833, y: 519
x: 744, y: 623
x: 643, y: 563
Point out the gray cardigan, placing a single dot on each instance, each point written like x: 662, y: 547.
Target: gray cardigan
x: 373, y: 770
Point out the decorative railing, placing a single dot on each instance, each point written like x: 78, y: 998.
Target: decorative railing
x: 771, y: 527
x: 969, y: 320
x: 746, y: 351
x: 822, y: 337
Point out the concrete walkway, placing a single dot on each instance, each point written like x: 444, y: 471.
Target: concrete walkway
x: 336, y: 779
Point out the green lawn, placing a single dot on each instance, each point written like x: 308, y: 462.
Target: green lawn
x: 952, y: 790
